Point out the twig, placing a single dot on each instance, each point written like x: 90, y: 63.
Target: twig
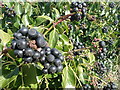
x: 10, y: 57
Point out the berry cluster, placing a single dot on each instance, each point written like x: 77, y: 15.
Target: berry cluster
x: 86, y: 87
x: 75, y: 7
x: 99, y: 68
x: 111, y: 4
x: 110, y: 86
x: 78, y: 45
x: 8, y: 12
x: 31, y: 46
x: 103, y: 50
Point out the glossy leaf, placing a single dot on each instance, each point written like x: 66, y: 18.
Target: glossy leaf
x: 53, y: 38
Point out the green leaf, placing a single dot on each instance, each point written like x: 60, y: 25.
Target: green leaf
x: 18, y: 9
x: 2, y: 79
x: 57, y: 14
x: 6, y: 82
x: 25, y: 20
x: 14, y: 72
x: 29, y: 74
x: 91, y: 57
x: 9, y: 32
x: 5, y: 37
x: 64, y: 38
x: 17, y: 23
x: 80, y: 74
x: 28, y: 9
x: 41, y: 19
x: 53, y: 38
x: 68, y: 78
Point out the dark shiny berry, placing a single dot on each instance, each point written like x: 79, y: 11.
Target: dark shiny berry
x: 42, y: 59
x: 44, y: 71
x: 52, y: 69
x: 36, y: 55
x: 105, y: 29
x: 18, y: 53
x: 28, y: 59
x: 61, y: 57
x: 41, y: 42
x: 80, y: 6
x: 29, y: 52
x: 47, y: 49
x: 17, y: 35
x: 13, y: 44
x: 24, y: 31
x: 32, y: 33
x: 104, y: 49
x: 86, y: 87
x: 59, y: 68
x: 75, y: 9
x: 102, y: 44
x: 48, y: 52
x: 57, y: 62
x: 7, y: 8
x: 54, y: 51
x: 47, y: 65
x: 111, y: 4
x: 84, y: 4
x: 50, y: 58
x: 21, y: 44
x: 42, y: 52
x: 40, y: 35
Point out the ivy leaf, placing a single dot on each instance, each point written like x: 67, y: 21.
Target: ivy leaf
x: 68, y: 78
x: 5, y: 37
x: 41, y: 19
x: 29, y: 74
x: 25, y: 20
x: 53, y: 38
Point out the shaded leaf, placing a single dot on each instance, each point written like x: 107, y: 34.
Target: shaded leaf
x: 14, y: 72
x: 29, y: 74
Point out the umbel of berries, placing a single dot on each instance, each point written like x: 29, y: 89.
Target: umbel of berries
x: 31, y: 46
x: 76, y: 7
x: 78, y: 45
x: 53, y: 61
x: 8, y: 12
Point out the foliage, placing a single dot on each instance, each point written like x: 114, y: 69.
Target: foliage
x: 52, y: 20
